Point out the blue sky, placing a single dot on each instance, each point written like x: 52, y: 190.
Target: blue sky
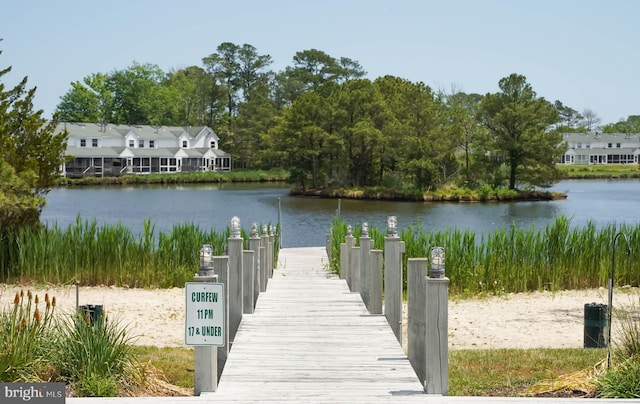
x: 584, y: 53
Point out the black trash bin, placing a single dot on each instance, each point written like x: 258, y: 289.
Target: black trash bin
x: 94, y: 311
x: 596, y: 316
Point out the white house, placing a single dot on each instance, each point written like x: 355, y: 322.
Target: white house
x: 113, y: 150
x: 601, y: 148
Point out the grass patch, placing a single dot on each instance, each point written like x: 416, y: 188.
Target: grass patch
x: 513, y: 372
x: 599, y: 171
x: 175, y: 364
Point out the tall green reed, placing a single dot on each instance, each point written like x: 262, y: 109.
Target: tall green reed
x: 554, y: 257
x: 108, y: 254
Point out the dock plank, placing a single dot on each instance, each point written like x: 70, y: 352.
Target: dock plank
x: 311, y: 339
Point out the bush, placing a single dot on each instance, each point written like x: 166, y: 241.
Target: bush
x: 93, y: 357
x: 623, y: 380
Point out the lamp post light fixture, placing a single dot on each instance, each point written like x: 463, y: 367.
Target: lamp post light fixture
x: 437, y: 263
x: 392, y: 226
x: 264, y: 230
x: 609, y: 309
x: 206, y: 257
x: 365, y: 229
x: 272, y: 230
x: 235, y: 227
x: 349, y: 230
x: 254, y: 230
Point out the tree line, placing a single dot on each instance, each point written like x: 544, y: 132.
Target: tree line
x: 331, y: 127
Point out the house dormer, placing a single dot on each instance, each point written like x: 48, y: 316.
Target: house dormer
x: 131, y: 140
x: 184, y: 141
x: 205, y: 138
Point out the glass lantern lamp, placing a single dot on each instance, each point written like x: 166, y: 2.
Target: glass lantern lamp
x: 437, y: 262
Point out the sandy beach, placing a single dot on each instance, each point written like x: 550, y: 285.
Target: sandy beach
x: 527, y: 320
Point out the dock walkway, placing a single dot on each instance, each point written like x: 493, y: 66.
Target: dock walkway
x: 311, y: 339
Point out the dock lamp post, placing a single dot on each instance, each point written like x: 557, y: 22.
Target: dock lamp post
x: 613, y: 264
x: 437, y: 325
x: 437, y: 262
x: 392, y: 226
x: 206, y: 260
x: 235, y: 227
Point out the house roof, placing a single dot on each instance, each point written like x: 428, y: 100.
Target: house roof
x: 96, y: 130
x: 592, y: 137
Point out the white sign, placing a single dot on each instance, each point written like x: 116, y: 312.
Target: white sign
x: 205, y: 312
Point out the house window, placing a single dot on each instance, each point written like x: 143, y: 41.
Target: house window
x: 94, y: 142
x: 83, y: 142
x: 213, y: 144
x: 131, y: 143
x: 140, y: 143
x: 579, y: 145
x: 588, y: 145
x: 618, y: 145
x: 184, y: 143
x: 610, y: 145
x: 152, y: 143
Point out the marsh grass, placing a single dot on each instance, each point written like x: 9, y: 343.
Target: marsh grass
x: 108, y: 254
x: 511, y: 260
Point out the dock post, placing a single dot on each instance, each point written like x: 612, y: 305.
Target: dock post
x: 393, y: 249
x: 416, y: 315
x: 437, y: 323
x: 354, y: 269
x: 349, y: 241
x: 344, y: 261
x: 221, y: 270
x: 272, y: 255
x: 365, y: 265
x: 264, y: 258
x: 247, y: 281
x: 375, y: 288
x: 235, y: 247
x: 254, y: 245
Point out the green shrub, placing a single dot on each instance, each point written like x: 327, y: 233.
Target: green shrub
x: 94, y: 357
x: 622, y: 381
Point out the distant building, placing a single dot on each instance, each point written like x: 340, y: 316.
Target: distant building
x: 105, y: 150
x: 601, y: 148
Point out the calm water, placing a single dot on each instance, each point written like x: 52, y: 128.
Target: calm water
x: 306, y: 221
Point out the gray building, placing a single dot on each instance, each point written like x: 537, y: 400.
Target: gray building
x: 601, y: 148
x: 112, y: 150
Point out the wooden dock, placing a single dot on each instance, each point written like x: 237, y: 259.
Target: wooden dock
x: 312, y: 340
